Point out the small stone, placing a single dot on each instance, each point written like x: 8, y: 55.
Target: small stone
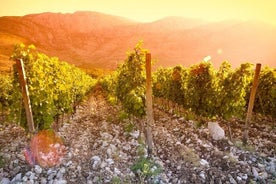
x: 43, y: 180
x: 7, y: 156
x: 117, y: 171
x: 13, y: 148
x: 244, y: 177
x: 263, y: 155
x: 253, y: 158
x: 127, y: 147
x: 38, y: 169
x: 29, y: 173
x: 176, y: 129
x: 207, y: 146
x: 70, y: 155
x: 261, y: 166
x: 109, y: 161
x: 96, y: 161
x: 231, y: 179
x: 178, y: 167
x: 5, y: 181
x: 103, y: 164
x: 21, y: 157
x: 96, y: 158
x: 255, y: 173
x: 106, y: 136
x: 113, y: 147
x: 202, y: 175
x: 272, y: 167
x: 204, y: 162
x: 25, y: 178
x: 51, y: 176
x: 216, y: 131
x: 264, y: 175
x: 50, y: 171
x: 16, y: 161
x: 188, y: 141
x: 109, y: 152
x: 159, y: 162
x: 32, y: 177
x: 117, y: 141
x: 17, y: 178
x: 68, y: 163
x: 135, y: 134
x: 96, y: 179
x: 62, y: 170
x: 79, y: 168
x: 134, y: 142
x: 153, y: 169
x: 60, y: 173
x: 175, y: 180
x: 11, y: 166
x: 60, y: 182
x: 169, y: 174
x: 105, y: 144
x: 16, y: 169
x: 230, y: 143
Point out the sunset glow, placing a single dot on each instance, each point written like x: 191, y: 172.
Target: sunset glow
x: 145, y: 11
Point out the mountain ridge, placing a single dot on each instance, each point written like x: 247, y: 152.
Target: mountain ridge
x: 94, y: 39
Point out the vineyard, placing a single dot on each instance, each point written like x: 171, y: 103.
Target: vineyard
x: 55, y: 88
x: 106, y: 117
x: 208, y: 92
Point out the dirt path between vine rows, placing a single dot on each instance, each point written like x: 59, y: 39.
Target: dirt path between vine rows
x: 101, y: 150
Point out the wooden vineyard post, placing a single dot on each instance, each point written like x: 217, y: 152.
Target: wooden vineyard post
x: 25, y: 94
x: 251, y: 102
x: 149, y: 110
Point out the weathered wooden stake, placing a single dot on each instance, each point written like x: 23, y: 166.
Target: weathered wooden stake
x: 251, y: 102
x: 149, y: 110
x: 25, y: 94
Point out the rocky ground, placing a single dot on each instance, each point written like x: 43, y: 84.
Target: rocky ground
x: 103, y: 147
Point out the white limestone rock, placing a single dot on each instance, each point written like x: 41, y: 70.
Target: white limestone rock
x: 5, y: 181
x: 216, y: 131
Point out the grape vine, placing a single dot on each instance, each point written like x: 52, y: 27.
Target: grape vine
x: 266, y: 93
x: 54, y: 87
x: 210, y: 93
x: 130, y: 88
x: 200, y: 89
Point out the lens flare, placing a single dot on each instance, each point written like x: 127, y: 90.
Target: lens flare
x: 46, y: 149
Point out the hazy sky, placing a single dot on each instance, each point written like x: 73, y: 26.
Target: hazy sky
x: 149, y: 10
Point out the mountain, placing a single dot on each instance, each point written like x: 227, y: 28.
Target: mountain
x: 92, y: 39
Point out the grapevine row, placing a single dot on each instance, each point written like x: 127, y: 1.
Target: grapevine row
x: 127, y: 83
x: 208, y: 92
x: 200, y: 89
x: 54, y: 87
